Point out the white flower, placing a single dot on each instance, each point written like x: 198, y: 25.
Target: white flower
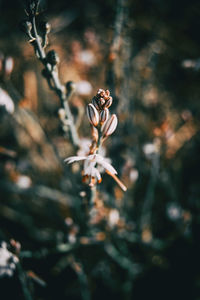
x: 91, y: 163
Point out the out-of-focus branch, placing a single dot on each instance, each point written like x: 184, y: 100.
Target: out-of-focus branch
x: 50, y: 72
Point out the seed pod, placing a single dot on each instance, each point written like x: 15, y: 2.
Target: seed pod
x: 110, y: 126
x: 92, y: 114
x: 108, y: 102
x: 103, y: 116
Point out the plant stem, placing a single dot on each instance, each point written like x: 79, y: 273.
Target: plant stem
x: 58, y: 88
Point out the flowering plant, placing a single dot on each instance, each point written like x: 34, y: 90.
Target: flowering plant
x: 103, y: 125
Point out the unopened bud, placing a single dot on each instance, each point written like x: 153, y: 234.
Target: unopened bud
x: 101, y: 92
x: 93, y: 115
x: 107, y: 94
x: 110, y: 126
x: 108, y: 102
x: 95, y: 102
x: 102, y: 102
x: 53, y: 58
x: 103, y: 116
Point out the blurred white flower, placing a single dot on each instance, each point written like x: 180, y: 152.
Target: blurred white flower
x: 83, y: 88
x: 87, y: 57
x: 174, y: 211
x: 24, y: 181
x: 149, y: 149
x: 113, y: 217
x: 91, y: 163
x: 134, y: 174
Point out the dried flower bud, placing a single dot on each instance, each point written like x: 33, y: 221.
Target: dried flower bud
x: 110, y: 126
x: 103, y: 116
x: 53, y: 58
x: 92, y: 114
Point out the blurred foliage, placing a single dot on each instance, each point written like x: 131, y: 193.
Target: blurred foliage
x: 133, y: 245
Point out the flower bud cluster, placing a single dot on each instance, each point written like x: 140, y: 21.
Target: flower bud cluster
x: 102, y: 100
x: 98, y: 112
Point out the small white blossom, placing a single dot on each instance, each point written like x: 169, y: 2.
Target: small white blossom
x: 91, y: 163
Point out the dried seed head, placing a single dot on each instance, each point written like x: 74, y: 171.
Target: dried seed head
x: 92, y: 114
x: 103, y: 116
x: 110, y: 126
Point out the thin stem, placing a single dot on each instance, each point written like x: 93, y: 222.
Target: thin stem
x: 58, y: 88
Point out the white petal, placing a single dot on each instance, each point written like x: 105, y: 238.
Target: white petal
x: 88, y: 166
x: 108, y: 167
x: 72, y: 159
x: 97, y: 174
x: 99, y: 158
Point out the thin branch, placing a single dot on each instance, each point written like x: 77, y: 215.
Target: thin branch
x: 51, y: 74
